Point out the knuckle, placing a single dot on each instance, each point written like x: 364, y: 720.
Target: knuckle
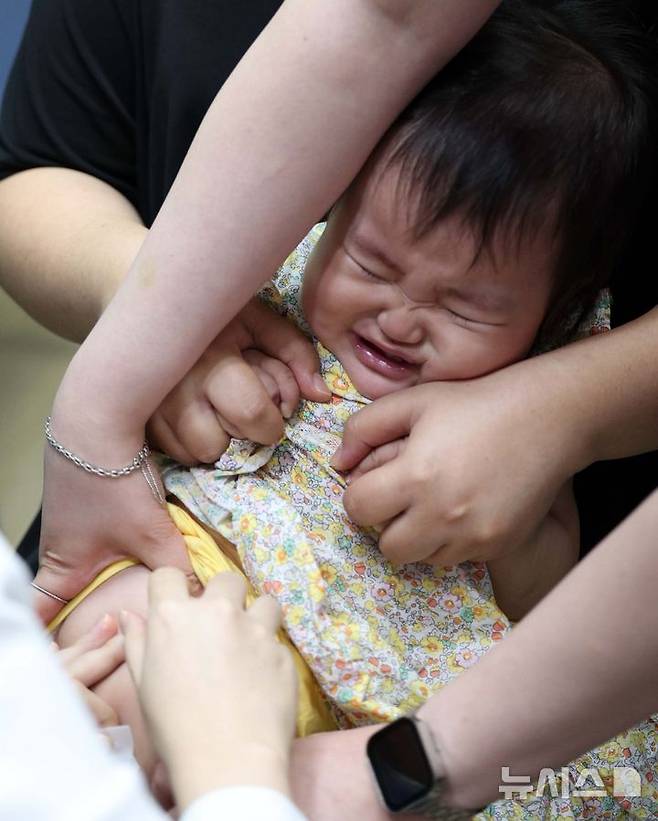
x: 281, y: 368
x: 207, y: 453
x: 253, y: 409
x: 457, y: 514
x: 168, y: 612
x: 488, y: 533
x: 422, y: 476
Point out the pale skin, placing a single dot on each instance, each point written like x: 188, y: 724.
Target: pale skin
x: 350, y: 45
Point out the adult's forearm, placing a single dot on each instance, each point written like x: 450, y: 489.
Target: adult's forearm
x: 67, y: 240
x: 595, y: 399
x: 605, y: 390
x: 597, y: 631
x: 264, y: 166
x: 620, y: 389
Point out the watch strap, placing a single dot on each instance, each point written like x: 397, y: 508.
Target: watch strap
x: 432, y: 806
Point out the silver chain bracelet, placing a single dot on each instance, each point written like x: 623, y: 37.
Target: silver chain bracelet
x: 140, y: 461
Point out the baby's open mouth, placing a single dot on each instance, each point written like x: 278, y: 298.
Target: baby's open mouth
x: 381, y: 361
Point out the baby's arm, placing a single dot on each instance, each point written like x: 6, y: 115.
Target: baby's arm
x: 247, y: 381
x: 522, y: 578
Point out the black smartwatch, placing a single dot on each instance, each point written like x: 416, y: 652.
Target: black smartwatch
x: 406, y: 764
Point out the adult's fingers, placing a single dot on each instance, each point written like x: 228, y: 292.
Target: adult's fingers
x: 164, y: 547
x: 249, y: 408
x: 229, y: 586
x: 266, y: 611
x: 95, y: 665
x: 167, y: 584
x: 133, y: 628
x: 410, y: 538
x: 104, y: 715
x: 378, y: 457
x: 280, y: 339
x: 101, y: 632
x: 376, y: 497
x: 389, y: 418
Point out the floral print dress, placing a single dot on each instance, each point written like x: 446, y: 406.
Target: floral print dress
x: 378, y: 638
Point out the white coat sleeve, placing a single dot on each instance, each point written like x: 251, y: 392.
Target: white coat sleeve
x: 243, y: 804
x: 53, y: 764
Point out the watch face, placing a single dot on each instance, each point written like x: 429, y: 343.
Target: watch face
x: 400, y: 764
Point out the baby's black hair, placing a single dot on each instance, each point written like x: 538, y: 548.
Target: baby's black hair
x: 546, y: 117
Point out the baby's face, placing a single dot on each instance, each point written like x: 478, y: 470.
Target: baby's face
x: 397, y: 311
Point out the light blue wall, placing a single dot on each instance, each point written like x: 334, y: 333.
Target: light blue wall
x: 13, y: 14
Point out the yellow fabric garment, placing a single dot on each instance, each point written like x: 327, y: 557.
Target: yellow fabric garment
x: 313, y: 715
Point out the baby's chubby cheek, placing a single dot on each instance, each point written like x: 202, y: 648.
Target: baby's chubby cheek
x: 470, y: 354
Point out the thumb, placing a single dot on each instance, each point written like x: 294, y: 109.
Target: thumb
x: 279, y: 338
x: 133, y: 628
x: 378, y: 457
x: 385, y: 420
x: 165, y: 547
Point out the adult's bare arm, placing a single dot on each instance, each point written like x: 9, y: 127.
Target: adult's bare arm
x: 67, y: 240
x: 250, y: 187
x: 251, y: 184
x: 484, y: 458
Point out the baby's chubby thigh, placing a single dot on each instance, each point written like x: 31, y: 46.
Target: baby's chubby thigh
x: 128, y: 590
